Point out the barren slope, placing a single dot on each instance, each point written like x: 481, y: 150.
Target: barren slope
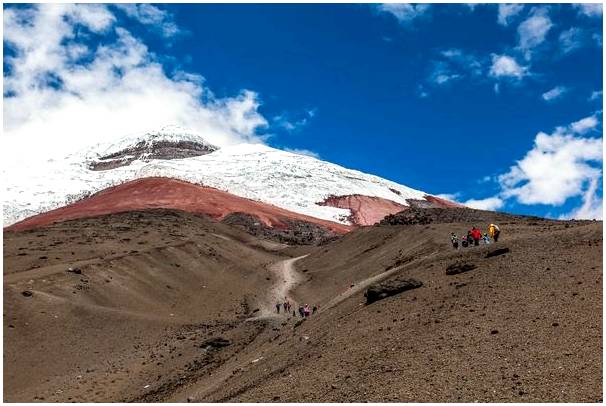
x: 145, y: 291
x: 525, y: 325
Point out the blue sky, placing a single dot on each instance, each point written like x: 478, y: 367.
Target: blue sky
x: 443, y: 98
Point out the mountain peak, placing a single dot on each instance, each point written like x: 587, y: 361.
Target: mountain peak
x: 169, y: 142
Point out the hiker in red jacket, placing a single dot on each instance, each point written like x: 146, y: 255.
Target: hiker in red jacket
x: 476, y: 235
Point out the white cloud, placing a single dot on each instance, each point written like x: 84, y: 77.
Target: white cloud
x: 507, y: 12
x: 464, y: 61
x: 405, y: 13
x: 149, y: 14
x: 490, y: 203
x: 589, y: 9
x: 61, y: 92
x: 504, y: 66
x: 571, y: 40
x: 554, y: 93
x: 533, y: 31
x: 448, y: 196
x: 584, y: 125
x: 558, y: 167
x: 301, y: 151
x: 592, y: 207
x: 454, y: 64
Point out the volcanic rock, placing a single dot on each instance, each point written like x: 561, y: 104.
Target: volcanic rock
x: 389, y: 288
x: 497, y: 252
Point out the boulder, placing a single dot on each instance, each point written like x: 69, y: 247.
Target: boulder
x: 497, y: 252
x: 390, y: 287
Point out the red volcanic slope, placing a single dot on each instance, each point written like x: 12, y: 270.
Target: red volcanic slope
x: 168, y: 193
x: 365, y: 210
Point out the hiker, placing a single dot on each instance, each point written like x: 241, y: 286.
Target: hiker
x: 486, y: 239
x: 476, y: 235
x: 469, y: 237
x: 494, y: 231
x: 278, y: 307
x: 306, y: 310
x: 301, y: 311
x: 285, y: 305
x: 464, y: 242
x: 454, y: 240
x: 314, y: 309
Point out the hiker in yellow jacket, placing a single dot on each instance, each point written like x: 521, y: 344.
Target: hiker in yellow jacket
x: 493, y: 232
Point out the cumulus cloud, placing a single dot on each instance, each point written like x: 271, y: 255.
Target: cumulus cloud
x: 555, y: 93
x: 74, y: 76
x: 560, y: 165
x: 151, y: 15
x: 507, y: 12
x: 589, y: 9
x: 405, y: 13
x: 504, y: 66
x: 583, y: 125
x: 533, y: 31
x: 490, y: 203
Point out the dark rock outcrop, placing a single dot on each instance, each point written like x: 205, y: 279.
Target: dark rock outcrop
x: 459, y: 267
x: 416, y: 214
x: 156, y: 149
x: 497, y: 252
x: 390, y: 287
x: 215, y: 343
x: 296, y: 232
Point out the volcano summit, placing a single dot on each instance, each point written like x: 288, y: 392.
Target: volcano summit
x: 299, y: 184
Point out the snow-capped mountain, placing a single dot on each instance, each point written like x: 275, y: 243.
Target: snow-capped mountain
x: 298, y: 183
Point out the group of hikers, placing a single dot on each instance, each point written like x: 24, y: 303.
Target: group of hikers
x: 304, y: 310
x: 474, y: 236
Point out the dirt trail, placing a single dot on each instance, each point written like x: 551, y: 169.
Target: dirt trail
x: 288, y: 278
